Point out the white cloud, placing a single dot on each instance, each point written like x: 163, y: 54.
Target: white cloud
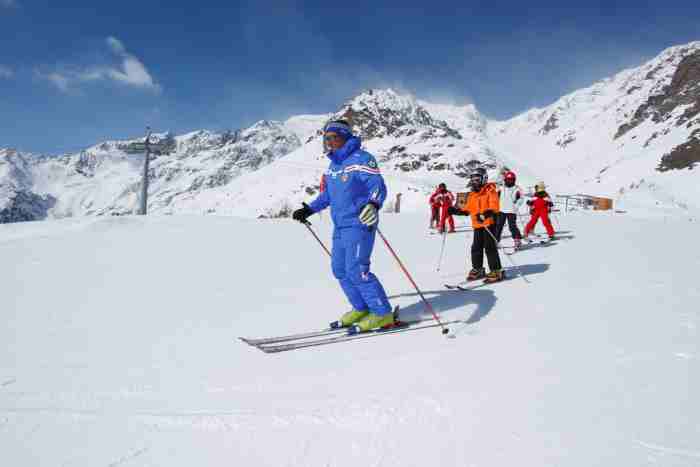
x: 130, y: 71
x: 8, y: 4
x: 116, y: 45
x: 61, y: 81
x: 6, y: 72
x: 58, y: 80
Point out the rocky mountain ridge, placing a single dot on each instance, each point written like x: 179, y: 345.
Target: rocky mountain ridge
x: 635, y: 135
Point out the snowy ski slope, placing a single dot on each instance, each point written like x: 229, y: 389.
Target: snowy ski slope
x: 119, y: 347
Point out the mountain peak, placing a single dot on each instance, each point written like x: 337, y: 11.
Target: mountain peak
x: 382, y: 98
x: 377, y: 113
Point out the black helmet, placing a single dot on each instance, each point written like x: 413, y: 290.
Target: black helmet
x: 477, y: 178
x: 442, y: 186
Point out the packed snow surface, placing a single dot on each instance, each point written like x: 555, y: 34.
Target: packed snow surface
x: 119, y: 347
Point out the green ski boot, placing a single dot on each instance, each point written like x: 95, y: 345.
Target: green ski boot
x: 349, y: 318
x: 374, y: 321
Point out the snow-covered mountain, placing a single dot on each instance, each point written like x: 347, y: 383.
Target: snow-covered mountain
x: 416, y: 144
x: 17, y: 200
x: 635, y: 136
x: 263, y: 170
x: 105, y: 178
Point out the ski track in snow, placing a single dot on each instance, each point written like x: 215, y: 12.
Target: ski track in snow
x: 668, y: 450
x: 129, y: 457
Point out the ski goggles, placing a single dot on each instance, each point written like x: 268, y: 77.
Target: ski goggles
x: 332, y: 137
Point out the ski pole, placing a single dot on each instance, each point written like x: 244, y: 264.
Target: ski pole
x: 556, y: 219
x: 308, y: 226
x: 428, y: 306
x: 442, y: 249
x: 517, y: 268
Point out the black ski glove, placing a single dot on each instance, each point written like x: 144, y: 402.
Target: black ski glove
x: 489, y: 214
x: 529, y: 202
x: 302, y: 214
x: 455, y: 211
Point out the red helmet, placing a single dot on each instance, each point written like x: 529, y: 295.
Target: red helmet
x: 510, y: 176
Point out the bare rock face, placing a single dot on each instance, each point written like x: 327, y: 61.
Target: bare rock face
x: 26, y: 206
x: 684, y: 90
x: 684, y: 156
x: 552, y: 123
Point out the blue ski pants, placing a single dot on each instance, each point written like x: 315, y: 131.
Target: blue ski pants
x: 350, y: 259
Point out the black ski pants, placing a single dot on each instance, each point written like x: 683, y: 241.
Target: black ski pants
x: 512, y: 219
x: 484, y: 241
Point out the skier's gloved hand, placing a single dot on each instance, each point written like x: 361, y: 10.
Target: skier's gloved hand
x: 302, y: 214
x: 529, y: 202
x: 489, y: 214
x: 480, y: 217
x: 550, y: 204
x: 455, y: 211
x: 368, y: 215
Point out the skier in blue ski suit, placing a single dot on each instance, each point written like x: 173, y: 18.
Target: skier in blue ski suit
x: 355, y: 192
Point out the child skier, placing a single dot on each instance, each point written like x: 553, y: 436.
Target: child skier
x: 483, y: 206
x: 510, y: 199
x: 355, y: 191
x: 540, y: 207
x: 445, y: 200
x: 434, y: 208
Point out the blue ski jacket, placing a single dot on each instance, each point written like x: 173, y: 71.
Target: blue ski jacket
x: 352, y: 181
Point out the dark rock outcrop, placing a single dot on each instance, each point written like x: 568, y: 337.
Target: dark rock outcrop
x: 684, y: 90
x: 26, y: 206
x: 684, y: 156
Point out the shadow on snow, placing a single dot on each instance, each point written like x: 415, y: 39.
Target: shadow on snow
x: 444, y: 301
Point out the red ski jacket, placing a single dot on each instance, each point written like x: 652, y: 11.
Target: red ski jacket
x: 445, y: 199
x: 434, y: 202
x: 540, y: 204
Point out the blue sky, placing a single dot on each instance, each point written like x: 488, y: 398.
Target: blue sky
x: 73, y: 73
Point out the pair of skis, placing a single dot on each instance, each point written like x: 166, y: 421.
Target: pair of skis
x: 334, y: 336
x: 471, y: 285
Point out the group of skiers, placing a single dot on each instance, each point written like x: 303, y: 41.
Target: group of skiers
x: 510, y: 198
x: 490, y: 208
x: 355, y: 191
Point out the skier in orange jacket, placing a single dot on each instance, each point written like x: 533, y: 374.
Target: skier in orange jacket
x: 482, y: 206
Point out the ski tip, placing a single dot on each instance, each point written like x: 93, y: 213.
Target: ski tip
x: 248, y: 341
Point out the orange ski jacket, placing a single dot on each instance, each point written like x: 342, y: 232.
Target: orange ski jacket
x: 478, y: 202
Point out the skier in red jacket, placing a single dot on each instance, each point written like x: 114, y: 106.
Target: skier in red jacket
x: 434, y: 208
x: 446, y: 200
x: 540, y: 207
